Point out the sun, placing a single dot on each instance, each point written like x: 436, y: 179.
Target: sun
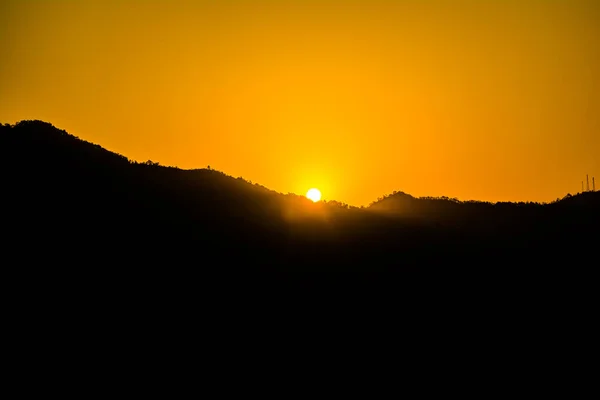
x: 313, y: 194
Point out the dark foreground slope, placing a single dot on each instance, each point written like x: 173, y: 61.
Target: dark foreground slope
x: 79, y: 217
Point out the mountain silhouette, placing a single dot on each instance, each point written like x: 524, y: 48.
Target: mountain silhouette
x: 80, y: 219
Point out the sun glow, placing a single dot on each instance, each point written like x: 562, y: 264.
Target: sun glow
x: 313, y: 194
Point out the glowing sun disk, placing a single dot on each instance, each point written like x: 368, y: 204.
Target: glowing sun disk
x: 313, y: 194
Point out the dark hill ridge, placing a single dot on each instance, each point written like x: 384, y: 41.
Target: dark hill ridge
x: 93, y: 213
x: 578, y: 210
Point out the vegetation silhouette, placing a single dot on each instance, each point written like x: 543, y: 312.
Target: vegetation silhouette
x: 82, y: 220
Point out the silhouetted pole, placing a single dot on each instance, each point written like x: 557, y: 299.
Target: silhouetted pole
x: 593, y: 184
x: 587, y: 178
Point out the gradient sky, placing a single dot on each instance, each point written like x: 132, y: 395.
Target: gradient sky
x: 488, y: 100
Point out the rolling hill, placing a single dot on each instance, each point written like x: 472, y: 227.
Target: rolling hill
x: 74, y: 211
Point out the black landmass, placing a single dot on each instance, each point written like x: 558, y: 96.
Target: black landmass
x: 79, y: 222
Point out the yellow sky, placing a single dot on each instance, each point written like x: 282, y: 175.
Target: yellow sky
x: 488, y: 100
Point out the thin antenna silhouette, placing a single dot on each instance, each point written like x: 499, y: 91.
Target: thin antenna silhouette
x: 587, y: 178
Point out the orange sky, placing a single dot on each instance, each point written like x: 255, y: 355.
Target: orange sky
x: 488, y: 100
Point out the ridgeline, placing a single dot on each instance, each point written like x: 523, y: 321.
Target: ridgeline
x: 76, y: 215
